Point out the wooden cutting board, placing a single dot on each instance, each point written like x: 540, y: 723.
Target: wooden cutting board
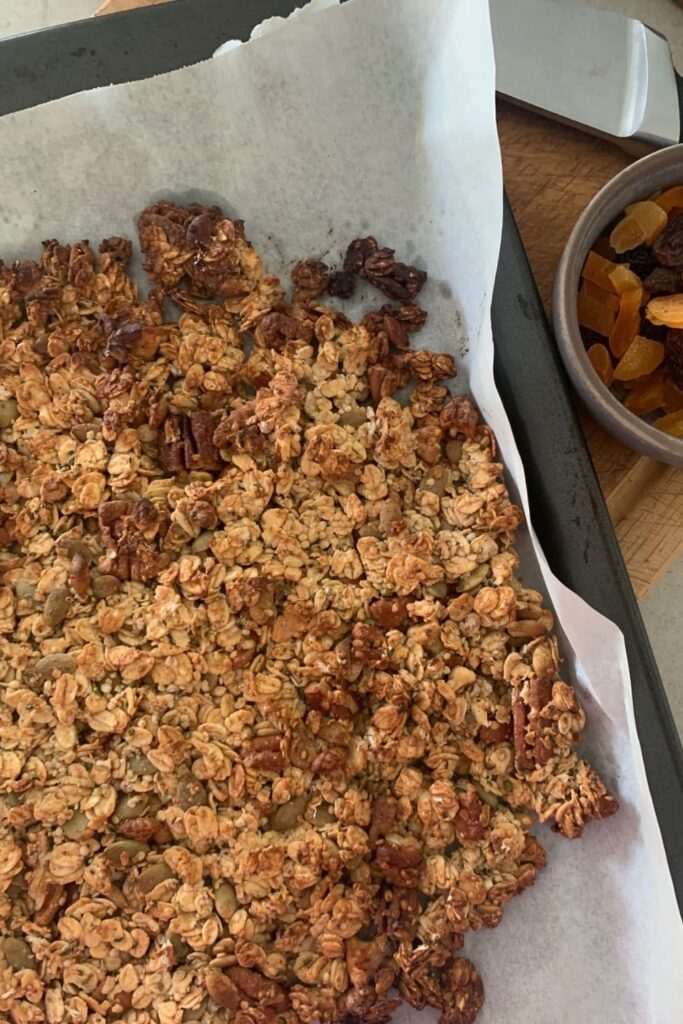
x: 551, y: 173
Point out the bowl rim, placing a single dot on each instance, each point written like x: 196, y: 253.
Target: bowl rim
x: 608, y: 410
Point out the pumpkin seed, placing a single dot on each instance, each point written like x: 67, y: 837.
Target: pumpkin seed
x: 289, y: 815
x: 323, y: 815
x: 122, y: 852
x: 136, y: 805
x: 24, y: 588
x: 8, y: 412
x: 140, y: 764
x: 488, y: 798
x: 18, y: 954
x: 454, y: 452
x: 105, y: 586
x: 191, y: 793
x: 180, y: 947
x: 76, y: 825
x: 353, y: 417
x: 56, y: 606
x: 474, y: 578
x: 61, y: 663
x: 154, y: 875
x: 202, y: 542
x: 226, y: 900
x: 73, y: 546
x: 439, y: 589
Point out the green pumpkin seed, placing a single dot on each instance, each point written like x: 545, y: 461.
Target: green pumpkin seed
x: 323, y: 815
x: 8, y: 411
x: 289, y: 815
x: 24, y: 588
x: 61, y: 663
x: 154, y: 875
x: 474, y: 578
x: 76, y: 825
x: 136, y: 805
x: 202, y: 542
x: 56, y: 606
x: 226, y: 900
x: 122, y: 852
x: 181, y: 950
x: 191, y: 793
x: 140, y: 764
x: 454, y: 452
x: 105, y: 586
x: 18, y: 954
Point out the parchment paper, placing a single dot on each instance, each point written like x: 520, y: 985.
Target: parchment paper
x: 378, y: 117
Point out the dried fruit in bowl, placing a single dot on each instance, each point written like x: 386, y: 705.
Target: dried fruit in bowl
x: 648, y: 396
x: 601, y: 361
x: 627, y: 323
x: 622, y: 278
x: 643, y: 356
x: 673, y: 396
x: 594, y: 315
x: 598, y: 270
x: 671, y: 424
x: 627, y: 235
x: 672, y: 198
x: 651, y: 218
x: 605, y: 298
x: 666, y: 309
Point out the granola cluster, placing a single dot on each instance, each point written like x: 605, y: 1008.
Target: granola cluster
x: 276, y: 713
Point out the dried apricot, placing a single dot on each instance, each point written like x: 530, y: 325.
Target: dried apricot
x: 673, y: 396
x: 627, y: 323
x: 642, y: 356
x: 627, y: 235
x: 666, y: 309
x: 651, y: 218
x: 601, y: 361
x: 648, y: 396
x: 671, y: 424
x: 608, y: 299
x: 670, y: 199
x: 623, y: 279
x: 597, y: 269
x: 594, y: 315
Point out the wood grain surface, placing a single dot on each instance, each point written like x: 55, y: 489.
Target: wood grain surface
x: 551, y: 172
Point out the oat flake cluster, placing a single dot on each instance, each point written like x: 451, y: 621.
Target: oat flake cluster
x: 276, y: 713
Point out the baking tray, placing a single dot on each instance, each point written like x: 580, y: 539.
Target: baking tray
x: 567, y: 506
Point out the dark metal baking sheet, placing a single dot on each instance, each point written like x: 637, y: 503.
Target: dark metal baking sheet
x: 567, y: 507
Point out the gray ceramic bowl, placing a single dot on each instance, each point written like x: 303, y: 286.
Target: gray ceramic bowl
x: 659, y: 170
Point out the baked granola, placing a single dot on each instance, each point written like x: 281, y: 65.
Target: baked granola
x: 276, y: 713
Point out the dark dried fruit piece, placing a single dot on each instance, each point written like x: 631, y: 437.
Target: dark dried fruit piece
x: 668, y: 248
x: 640, y: 260
x: 674, y: 356
x: 664, y: 281
x: 341, y: 284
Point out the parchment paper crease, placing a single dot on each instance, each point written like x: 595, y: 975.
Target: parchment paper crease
x: 378, y: 117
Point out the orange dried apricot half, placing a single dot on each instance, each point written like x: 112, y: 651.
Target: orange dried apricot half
x: 671, y: 198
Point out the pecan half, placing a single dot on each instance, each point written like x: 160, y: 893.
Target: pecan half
x: 400, y: 865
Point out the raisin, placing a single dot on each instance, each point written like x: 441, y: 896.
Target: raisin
x: 658, y: 332
x: 668, y: 249
x: 664, y: 281
x: 674, y: 356
x: 640, y: 260
x: 341, y: 284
